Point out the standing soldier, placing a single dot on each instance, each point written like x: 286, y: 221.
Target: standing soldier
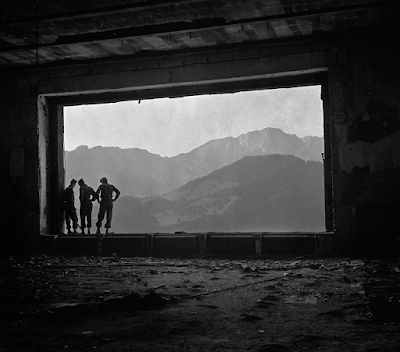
x: 69, y: 207
x: 105, y: 191
x: 86, y: 196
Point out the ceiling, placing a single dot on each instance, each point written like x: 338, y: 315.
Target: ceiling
x: 65, y: 32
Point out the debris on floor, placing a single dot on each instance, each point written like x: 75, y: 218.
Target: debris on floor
x: 54, y: 303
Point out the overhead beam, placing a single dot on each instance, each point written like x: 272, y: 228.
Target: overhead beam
x: 250, y: 84
x: 190, y: 27
x: 236, y: 47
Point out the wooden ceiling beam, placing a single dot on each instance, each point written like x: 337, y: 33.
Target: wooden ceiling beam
x: 190, y: 27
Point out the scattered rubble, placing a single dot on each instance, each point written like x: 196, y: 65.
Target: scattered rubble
x: 51, y: 303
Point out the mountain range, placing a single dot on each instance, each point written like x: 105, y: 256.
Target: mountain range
x: 280, y: 193
x: 139, y: 173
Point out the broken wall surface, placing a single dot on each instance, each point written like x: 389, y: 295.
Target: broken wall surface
x: 361, y: 122
x: 364, y: 102
x: 19, y: 176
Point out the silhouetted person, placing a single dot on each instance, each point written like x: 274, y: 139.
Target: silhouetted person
x: 69, y: 207
x: 105, y: 191
x: 86, y: 196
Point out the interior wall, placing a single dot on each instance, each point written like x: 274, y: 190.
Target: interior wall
x: 365, y: 109
x: 364, y: 160
x: 19, y: 176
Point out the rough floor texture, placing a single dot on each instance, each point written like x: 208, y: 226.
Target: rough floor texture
x: 51, y: 303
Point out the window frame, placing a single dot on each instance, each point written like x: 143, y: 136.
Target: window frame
x: 52, y: 213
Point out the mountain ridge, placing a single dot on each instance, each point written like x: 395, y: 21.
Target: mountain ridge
x: 136, y: 171
x: 254, y: 194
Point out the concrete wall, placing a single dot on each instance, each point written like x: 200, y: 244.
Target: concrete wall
x: 19, y: 176
x: 365, y: 111
x: 361, y: 102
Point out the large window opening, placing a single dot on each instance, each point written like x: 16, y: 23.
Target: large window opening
x: 245, y: 162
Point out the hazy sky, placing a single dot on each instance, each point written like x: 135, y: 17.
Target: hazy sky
x: 172, y: 126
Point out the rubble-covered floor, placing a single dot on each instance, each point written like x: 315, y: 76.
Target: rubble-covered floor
x: 52, y: 303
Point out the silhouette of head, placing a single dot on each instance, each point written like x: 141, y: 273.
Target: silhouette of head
x: 73, y: 181
x: 81, y: 182
x: 103, y: 180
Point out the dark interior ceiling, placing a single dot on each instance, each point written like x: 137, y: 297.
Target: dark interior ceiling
x: 65, y: 32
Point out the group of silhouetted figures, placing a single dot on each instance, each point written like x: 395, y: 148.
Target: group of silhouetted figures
x: 104, y: 195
